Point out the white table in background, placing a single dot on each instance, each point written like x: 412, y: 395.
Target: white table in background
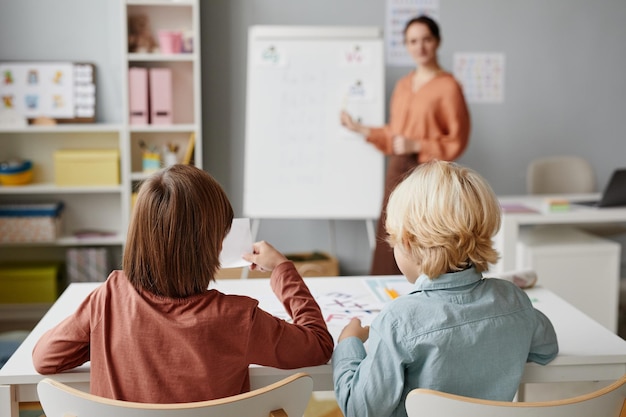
x: 507, y: 237
x: 588, y: 351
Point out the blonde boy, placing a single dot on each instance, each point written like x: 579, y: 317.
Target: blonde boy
x: 455, y: 332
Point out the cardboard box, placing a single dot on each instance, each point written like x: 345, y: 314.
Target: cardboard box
x: 308, y: 264
x: 87, y: 167
x: 25, y: 223
x: 28, y: 283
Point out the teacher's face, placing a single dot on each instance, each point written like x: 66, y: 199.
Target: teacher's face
x: 421, y: 44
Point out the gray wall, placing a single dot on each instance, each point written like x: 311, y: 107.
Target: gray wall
x: 68, y: 30
x: 564, y: 91
x: 564, y: 88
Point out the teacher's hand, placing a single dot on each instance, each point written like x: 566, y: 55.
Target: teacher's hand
x: 403, y: 146
x: 348, y: 122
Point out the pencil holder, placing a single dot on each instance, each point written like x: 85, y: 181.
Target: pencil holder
x: 169, y: 159
x: 170, y: 42
x: 151, y: 162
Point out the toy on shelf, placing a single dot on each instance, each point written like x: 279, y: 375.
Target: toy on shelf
x: 140, y: 37
x: 43, y: 121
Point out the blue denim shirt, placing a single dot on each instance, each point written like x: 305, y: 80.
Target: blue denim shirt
x: 459, y: 333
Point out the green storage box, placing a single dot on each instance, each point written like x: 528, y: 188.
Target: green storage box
x: 29, y: 283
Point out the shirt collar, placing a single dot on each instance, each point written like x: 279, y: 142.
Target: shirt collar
x: 449, y: 280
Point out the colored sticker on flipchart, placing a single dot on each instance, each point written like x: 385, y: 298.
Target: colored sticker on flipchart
x: 356, y: 97
x: 270, y: 55
x: 355, y: 55
x: 358, y: 89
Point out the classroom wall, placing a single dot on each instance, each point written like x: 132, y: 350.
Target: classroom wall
x: 224, y: 32
x: 564, y: 88
x: 68, y: 30
x: 564, y: 92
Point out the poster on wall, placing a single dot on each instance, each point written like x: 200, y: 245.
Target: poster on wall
x: 481, y: 75
x: 58, y: 90
x: 398, y: 13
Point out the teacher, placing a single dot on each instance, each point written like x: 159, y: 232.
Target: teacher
x: 428, y: 119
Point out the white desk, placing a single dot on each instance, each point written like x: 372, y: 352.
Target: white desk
x: 588, y: 352
x: 507, y: 237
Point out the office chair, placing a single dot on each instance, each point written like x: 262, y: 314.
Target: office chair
x: 562, y: 174
x: 288, y: 397
x: 606, y: 402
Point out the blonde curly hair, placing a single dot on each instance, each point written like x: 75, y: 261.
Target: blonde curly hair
x: 443, y: 216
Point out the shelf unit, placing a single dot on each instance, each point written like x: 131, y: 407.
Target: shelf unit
x: 84, y: 207
x: 105, y: 207
x: 181, y: 15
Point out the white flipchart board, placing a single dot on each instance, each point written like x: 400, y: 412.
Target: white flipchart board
x: 299, y: 161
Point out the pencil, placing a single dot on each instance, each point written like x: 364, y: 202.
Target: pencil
x: 393, y: 294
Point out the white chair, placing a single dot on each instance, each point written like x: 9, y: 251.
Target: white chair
x: 288, y: 397
x: 606, y: 402
x: 564, y: 174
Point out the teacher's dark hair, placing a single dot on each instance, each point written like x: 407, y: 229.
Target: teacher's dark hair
x: 433, y: 27
x: 175, y: 236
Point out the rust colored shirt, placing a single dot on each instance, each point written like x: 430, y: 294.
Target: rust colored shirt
x: 147, y: 348
x: 435, y: 115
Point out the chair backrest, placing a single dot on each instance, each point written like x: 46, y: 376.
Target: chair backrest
x: 606, y: 402
x: 560, y: 175
x: 288, y: 397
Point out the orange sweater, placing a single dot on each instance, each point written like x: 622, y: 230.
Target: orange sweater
x: 436, y: 116
x: 147, y: 348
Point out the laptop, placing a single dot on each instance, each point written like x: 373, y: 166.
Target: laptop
x: 614, y: 194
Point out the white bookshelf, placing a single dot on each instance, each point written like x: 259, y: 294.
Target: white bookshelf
x: 85, y: 207
x: 106, y: 208
x: 183, y: 15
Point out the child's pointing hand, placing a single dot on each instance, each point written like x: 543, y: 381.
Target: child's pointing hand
x: 355, y: 329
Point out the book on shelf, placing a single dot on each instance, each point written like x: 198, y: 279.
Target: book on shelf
x: 188, y: 158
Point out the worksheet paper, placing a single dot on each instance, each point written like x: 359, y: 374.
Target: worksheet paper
x: 237, y: 242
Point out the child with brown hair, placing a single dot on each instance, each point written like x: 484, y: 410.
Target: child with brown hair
x: 456, y: 331
x: 155, y: 332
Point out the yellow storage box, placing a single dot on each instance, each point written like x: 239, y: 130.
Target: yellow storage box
x: 28, y: 283
x: 87, y: 167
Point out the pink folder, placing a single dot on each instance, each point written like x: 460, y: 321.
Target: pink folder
x: 161, y: 96
x: 138, y: 95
